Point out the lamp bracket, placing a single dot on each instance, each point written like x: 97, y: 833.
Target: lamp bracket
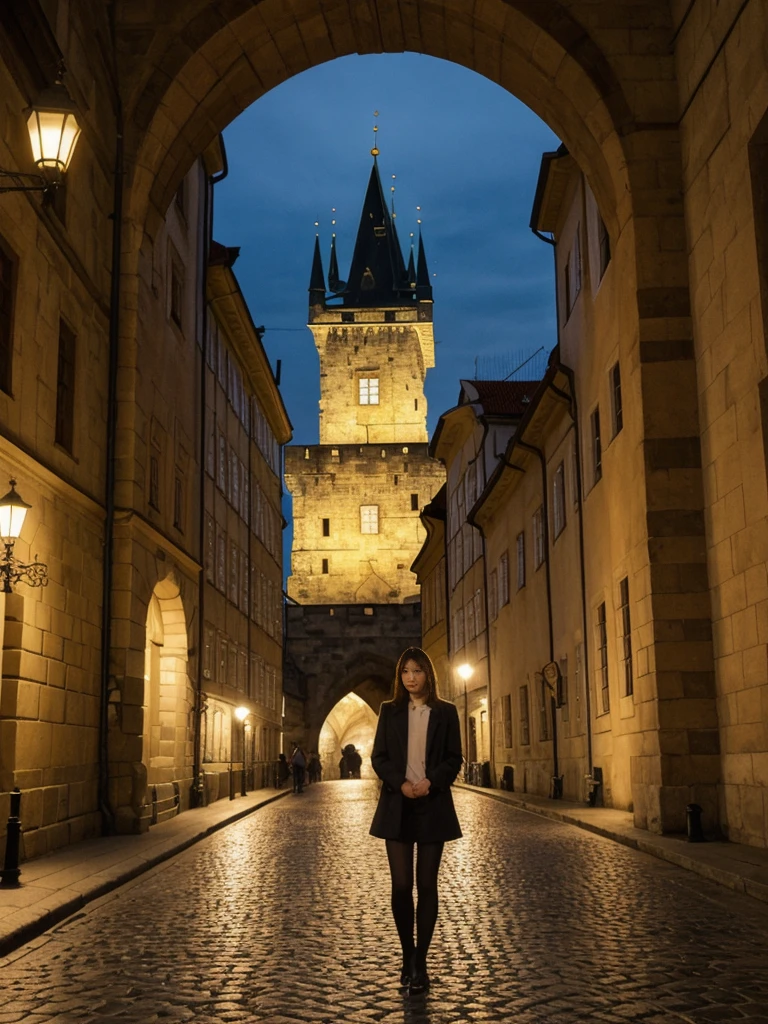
x: 34, y: 574
x: 24, y: 182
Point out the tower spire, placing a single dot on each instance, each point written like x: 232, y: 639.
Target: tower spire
x: 317, y: 277
x: 423, y: 287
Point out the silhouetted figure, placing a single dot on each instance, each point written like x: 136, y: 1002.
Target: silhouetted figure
x: 298, y: 767
x: 314, y: 768
x: 283, y: 771
x: 354, y: 761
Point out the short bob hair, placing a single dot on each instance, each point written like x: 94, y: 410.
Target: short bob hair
x: 422, y: 659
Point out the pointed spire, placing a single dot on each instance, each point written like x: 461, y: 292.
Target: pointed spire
x: 411, y: 272
x: 334, y: 284
x: 423, y: 287
x: 317, y: 278
x: 377, y: 274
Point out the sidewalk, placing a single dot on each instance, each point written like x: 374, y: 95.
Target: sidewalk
x: 741, y: 868
x: 60, y: 884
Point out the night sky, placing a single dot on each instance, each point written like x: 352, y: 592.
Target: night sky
x: 461, y: 147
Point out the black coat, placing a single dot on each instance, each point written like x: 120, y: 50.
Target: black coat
x: 443, y: 762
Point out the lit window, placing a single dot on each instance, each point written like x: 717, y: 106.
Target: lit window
x: 369, y: 519
x: 369, y: 390
x: 597, y: 447
x: 602, y: 658
x: 504, y: 579
x: 626, y: 637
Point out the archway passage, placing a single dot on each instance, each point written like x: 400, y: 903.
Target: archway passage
x: 351, y: 722
x: 165, y: 741
x: 606, y: 83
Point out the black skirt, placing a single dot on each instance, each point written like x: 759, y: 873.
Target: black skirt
x: 414, y: 823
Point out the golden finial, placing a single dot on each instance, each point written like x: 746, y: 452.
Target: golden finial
x: 375, y: 150
x: 418, y: 219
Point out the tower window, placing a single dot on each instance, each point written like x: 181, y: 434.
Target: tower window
x: 389, y: 316
x: 368, y: 393
x: 416, y: 404
x: 325, y: 566
x: 326, y: 527
x: 348, y: 318
x: 414, y: 503
x: 369, y: 519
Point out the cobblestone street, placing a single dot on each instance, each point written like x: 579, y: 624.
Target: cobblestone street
x: 284, y: 917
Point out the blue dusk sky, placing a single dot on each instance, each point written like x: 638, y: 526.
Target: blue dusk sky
x: 462, y: 149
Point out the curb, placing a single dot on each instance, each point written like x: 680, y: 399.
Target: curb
x: 663, y: 848
x: 69, y: 905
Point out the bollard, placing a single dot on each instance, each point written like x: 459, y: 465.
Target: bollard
x: 10, y: 873
x: 693, y: 822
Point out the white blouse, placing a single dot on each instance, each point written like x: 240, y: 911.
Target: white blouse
x: 418, y: 723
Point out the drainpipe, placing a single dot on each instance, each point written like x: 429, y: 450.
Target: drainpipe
x: 574, y: 413
x: 545, y: 506
x: 197, y: 783
x: 105, y: 807
x: 569, y: 373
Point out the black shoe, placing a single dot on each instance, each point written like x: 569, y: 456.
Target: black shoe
x: 419, y: 982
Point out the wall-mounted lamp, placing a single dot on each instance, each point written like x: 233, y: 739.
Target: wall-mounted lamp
x: 241, y: 714
x: 13, y: 510
x: 53, y: 133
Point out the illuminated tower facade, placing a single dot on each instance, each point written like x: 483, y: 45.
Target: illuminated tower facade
x: 357, y: 495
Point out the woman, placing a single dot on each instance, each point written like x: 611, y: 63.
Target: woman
x: 417, y: 756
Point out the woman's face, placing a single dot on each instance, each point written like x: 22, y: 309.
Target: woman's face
x: 414, y: 678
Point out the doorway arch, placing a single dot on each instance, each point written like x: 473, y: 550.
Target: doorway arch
x: 166, y: 687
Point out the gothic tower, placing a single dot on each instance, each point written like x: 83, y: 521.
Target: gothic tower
x: 357, y: 495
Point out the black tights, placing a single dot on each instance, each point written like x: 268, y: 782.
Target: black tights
x: 401, y: 868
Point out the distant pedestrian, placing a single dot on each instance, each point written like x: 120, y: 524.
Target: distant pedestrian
x: 354, y: 762
x: 283, y: 770
x: 417, y: 755
x: 343, y: 768
x: 313, y: 768
x: 298, y: 766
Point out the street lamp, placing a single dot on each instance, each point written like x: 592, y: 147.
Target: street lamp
x: 53, y: 134
x: 465, y: 672
x: 13, y: 510
x: 241, y: 714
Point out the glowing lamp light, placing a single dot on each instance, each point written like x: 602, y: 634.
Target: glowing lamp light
x: 13, y: 510
x: 53, y: 128
x: 465, y: 671
x: 241, y: 713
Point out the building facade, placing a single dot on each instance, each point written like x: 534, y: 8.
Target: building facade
x: 246, y: 426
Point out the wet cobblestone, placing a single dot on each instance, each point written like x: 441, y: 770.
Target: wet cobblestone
x: 283, y: 918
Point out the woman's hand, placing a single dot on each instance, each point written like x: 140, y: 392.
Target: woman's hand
x: 407, y: 790
x: 421, y: 788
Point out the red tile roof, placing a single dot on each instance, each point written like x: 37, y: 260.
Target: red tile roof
x: 504, y: 397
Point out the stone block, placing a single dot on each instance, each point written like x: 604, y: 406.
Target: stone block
x: 132, y: 719
x: 51, y: 704
x: 753, y: 814
x: 33, y: 745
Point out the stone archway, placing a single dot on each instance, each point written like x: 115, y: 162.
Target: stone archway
x: 166, y: 705
x: 606, y: 83
x: 351, y: 720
